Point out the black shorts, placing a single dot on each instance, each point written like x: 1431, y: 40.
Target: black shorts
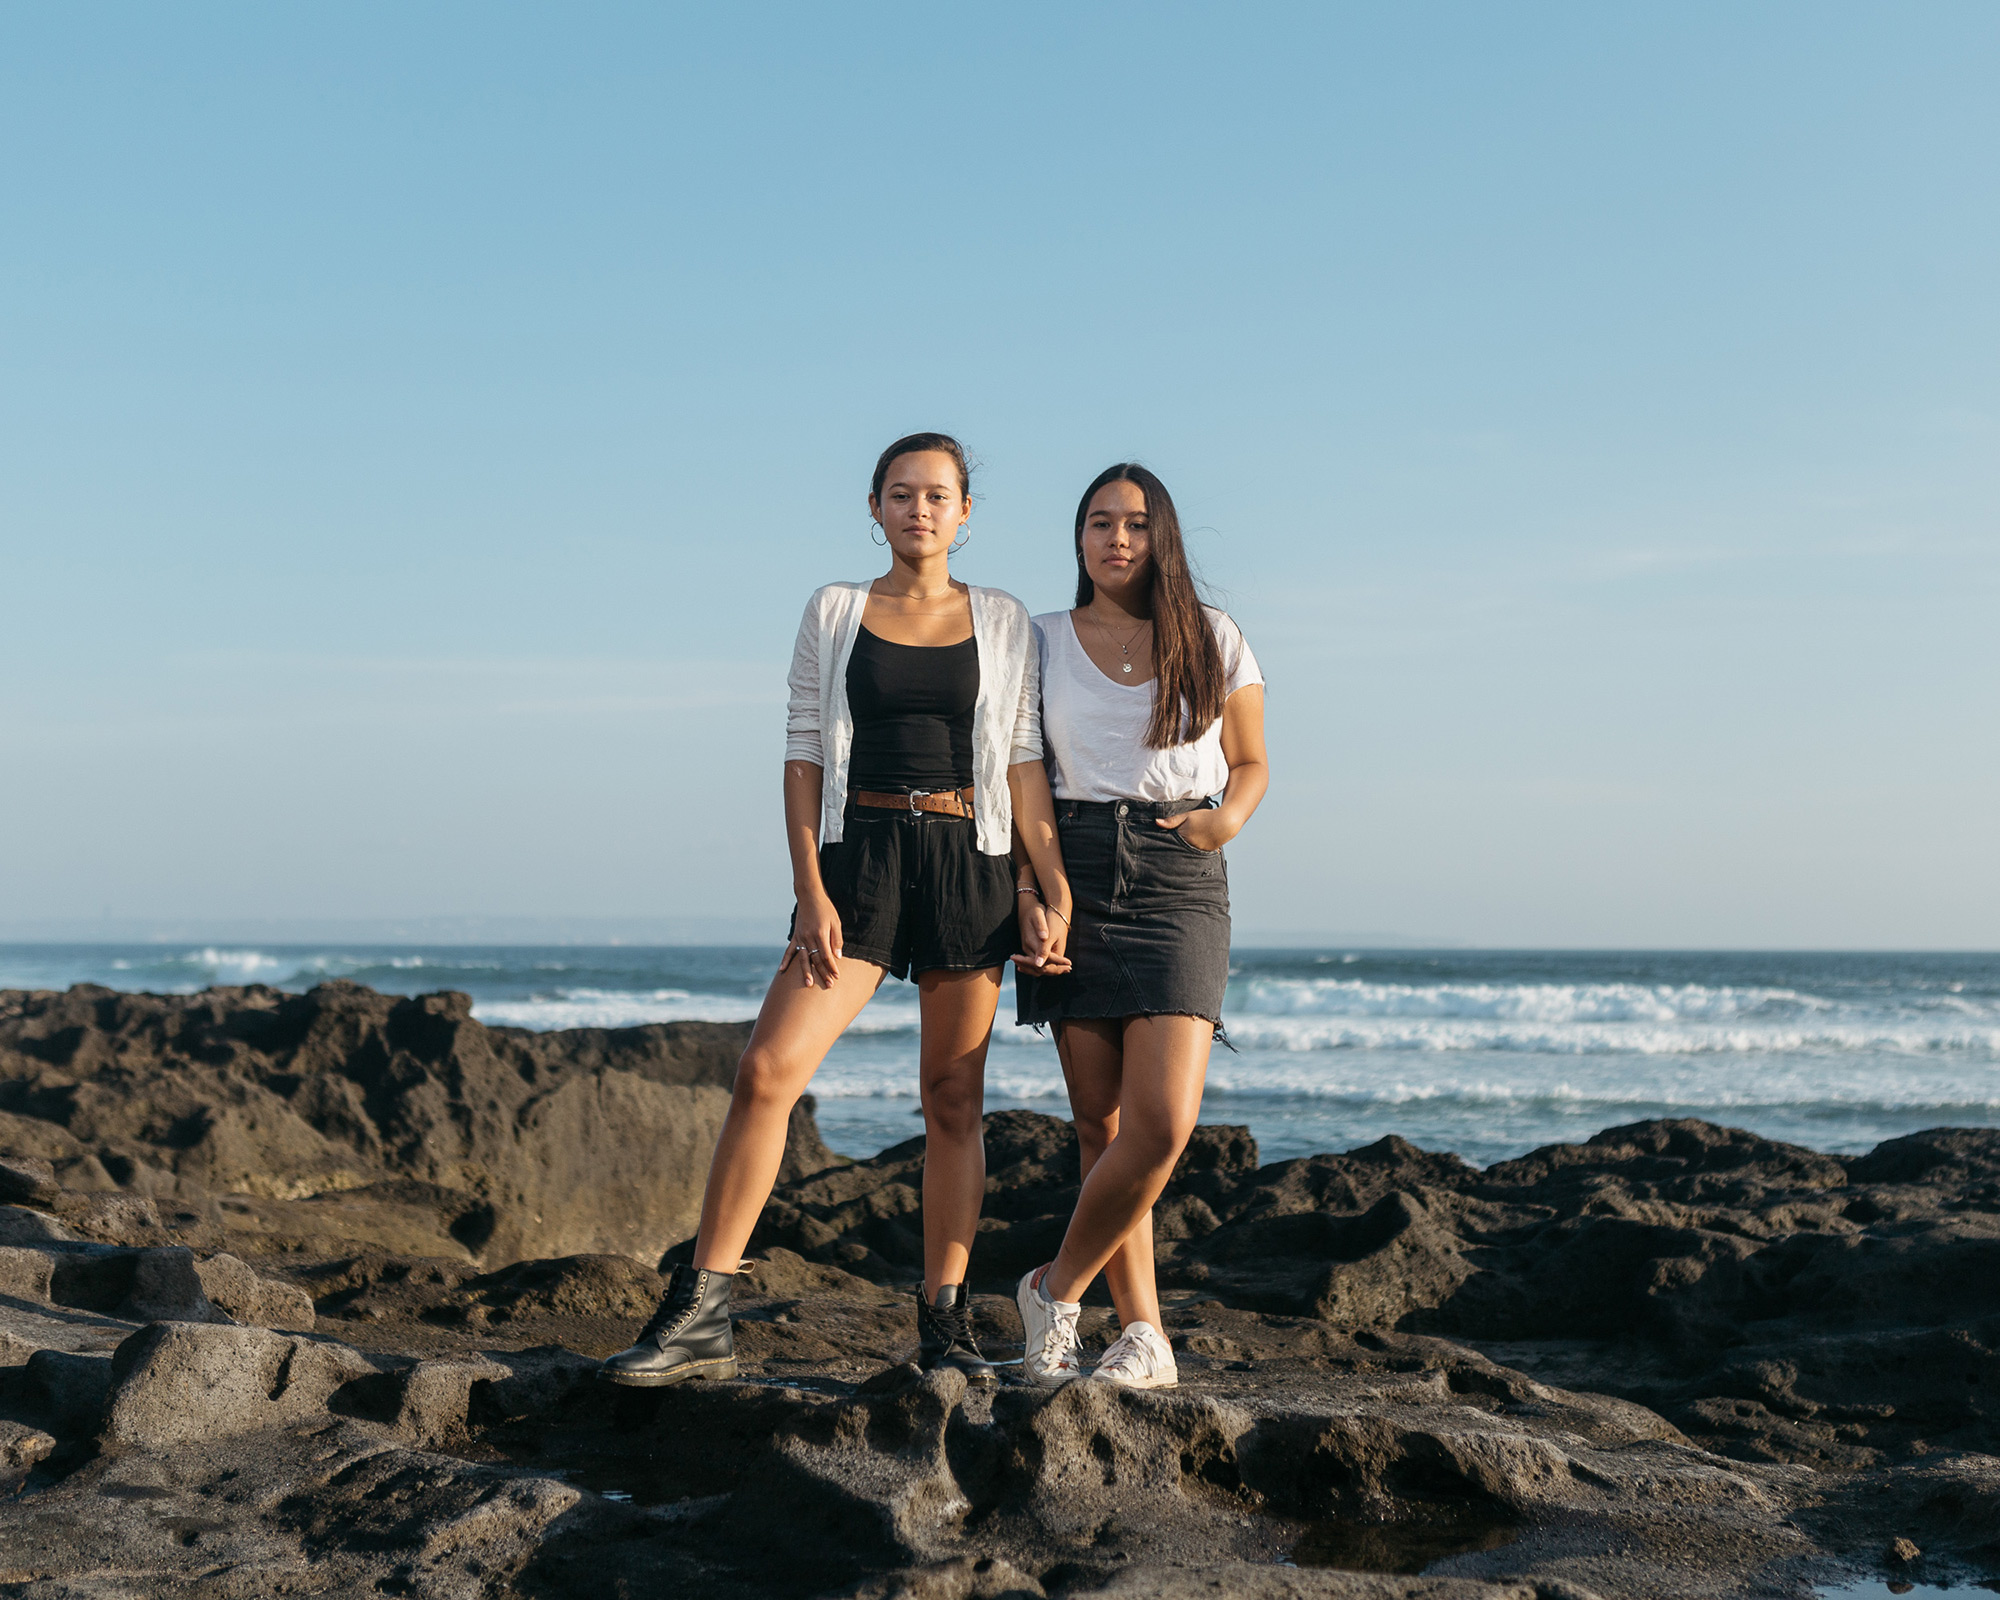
x: 915, y: 894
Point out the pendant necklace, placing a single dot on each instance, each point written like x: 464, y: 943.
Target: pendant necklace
x: 1124, y: 666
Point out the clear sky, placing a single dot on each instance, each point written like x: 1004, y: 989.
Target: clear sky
x: 420, y: 426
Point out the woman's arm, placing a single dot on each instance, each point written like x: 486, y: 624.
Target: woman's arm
x: 1034, y: 916
x: 1035, y: 829
x: 1249, y: 775
x: 817, y: 926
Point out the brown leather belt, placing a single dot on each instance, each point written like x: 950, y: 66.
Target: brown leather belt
x: 945, y: 802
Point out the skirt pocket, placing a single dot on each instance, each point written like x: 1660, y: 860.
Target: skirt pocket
x: 1179, y: 836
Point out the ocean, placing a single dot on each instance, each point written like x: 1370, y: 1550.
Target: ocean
x: 1490, y: 1053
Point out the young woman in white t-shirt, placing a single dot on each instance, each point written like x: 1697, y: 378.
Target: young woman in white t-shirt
x: 1152, y: 708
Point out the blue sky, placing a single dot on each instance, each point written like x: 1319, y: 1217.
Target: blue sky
x: 421, y: 425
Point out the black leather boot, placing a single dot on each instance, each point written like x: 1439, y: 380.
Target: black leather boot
x: 944, y: 1336
x: 688, y: 1337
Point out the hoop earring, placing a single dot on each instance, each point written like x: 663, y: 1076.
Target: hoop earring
x: 964, y: 539
x: 875, y: 528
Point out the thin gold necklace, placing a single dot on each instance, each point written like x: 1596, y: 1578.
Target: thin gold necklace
x: 1124, y: 666
x: 950, y: 595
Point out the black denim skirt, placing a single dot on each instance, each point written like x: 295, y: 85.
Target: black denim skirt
x: 1150, y: 934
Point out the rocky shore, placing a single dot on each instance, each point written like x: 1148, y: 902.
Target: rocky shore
x: 300, y: 1295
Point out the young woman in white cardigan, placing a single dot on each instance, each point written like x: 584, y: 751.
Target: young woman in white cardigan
x: 913, y: 750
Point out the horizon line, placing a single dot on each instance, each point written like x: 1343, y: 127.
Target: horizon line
x: 746, y: 933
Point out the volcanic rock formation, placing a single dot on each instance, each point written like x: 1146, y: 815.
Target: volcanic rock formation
x: 1775, y: 1303
x: 316, y: 1122
x: 1675, y: 1360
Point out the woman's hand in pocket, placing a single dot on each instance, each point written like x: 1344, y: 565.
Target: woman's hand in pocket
x: 1202, y: 828
x: 815, y: 942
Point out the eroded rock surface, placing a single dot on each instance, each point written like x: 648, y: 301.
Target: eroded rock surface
x: 341, y: 1118
x: 1773, y: 1302
x: 275, y: 1317
x: 1333, y: 1466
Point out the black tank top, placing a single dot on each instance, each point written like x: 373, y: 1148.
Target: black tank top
x: 912, y: 708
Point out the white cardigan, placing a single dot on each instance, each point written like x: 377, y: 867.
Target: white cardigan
x: 1006, y: 718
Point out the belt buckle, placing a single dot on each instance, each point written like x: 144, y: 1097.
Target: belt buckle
x: 916, y: 795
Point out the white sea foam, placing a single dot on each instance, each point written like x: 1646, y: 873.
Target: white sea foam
x: 1685, y: 1081
x: 336, y: 964
x: 1535, y: 1002
x: 1903, y: 1036
x: 624, y: 1008
x: 1621, y: 1088
x: 587, y: 1008
x: 1309, y: 1016
x: 214, y: 964
x: 1592, y: 1018
x: 240, y: 966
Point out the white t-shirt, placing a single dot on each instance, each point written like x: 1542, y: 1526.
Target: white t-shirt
x: 1095, y: 730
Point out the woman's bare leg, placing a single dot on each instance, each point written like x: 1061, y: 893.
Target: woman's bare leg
x: 957, y: 1009
x: 1165, y: 1061
x: 796, y: 1027
x: 1093, y: 1058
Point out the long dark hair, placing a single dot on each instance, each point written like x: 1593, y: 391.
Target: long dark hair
x: 1188, y: 683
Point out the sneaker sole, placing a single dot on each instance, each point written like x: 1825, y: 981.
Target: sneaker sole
x: 662, y: 1380
x: 1137, y: 1383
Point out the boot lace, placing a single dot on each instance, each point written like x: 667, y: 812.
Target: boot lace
x: 950, y: 1325
x: 676, y: 1305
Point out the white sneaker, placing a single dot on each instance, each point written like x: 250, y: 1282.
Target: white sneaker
x: 1140, y: 1358
x: 1049, y: 1352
